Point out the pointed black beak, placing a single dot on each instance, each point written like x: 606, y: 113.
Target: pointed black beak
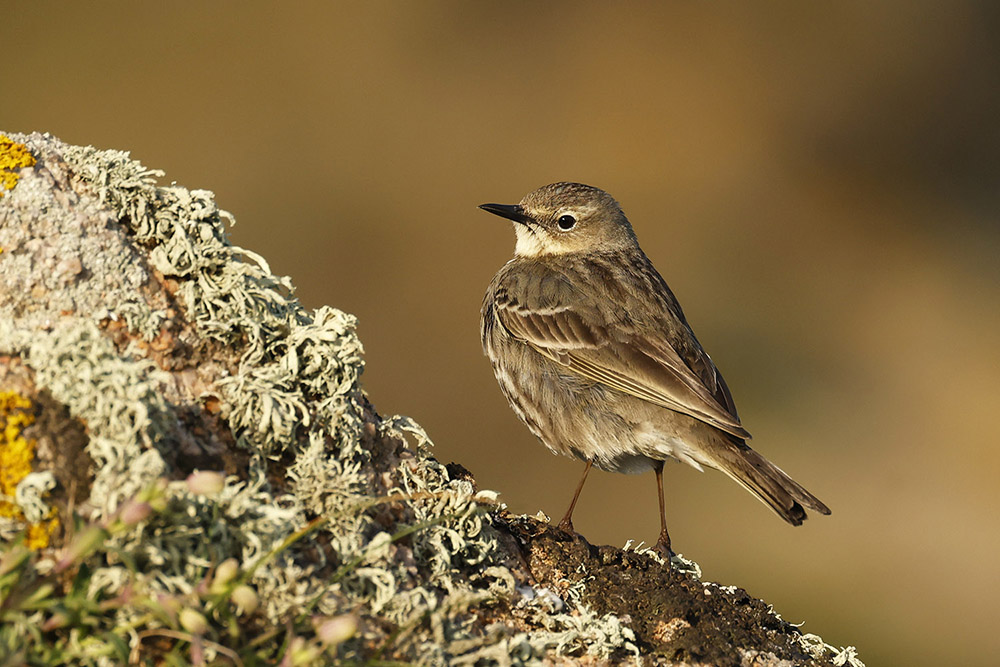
x: 510, y: 211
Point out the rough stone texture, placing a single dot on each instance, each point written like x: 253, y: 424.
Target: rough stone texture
x: 150, y: 347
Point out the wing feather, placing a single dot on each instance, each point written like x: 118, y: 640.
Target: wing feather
x: 628, y: 361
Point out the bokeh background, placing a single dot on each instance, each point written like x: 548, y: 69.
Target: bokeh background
x: 818, y: 183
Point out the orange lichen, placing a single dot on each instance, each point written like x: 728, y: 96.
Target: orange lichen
x: 16, y: 456
x: 13, y: 157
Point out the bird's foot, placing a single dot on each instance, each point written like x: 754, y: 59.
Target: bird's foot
x: 566, y: 525
x: 663, y: 547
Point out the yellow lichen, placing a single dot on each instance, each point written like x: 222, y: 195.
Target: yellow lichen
x: 16, y: 456
x: 13, y: 157
x: 40, y: 533
x: 16, y: 452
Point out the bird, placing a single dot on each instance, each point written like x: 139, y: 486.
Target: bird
x: 594, y: 355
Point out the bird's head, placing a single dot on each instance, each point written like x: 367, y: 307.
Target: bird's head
x: 565, y: 218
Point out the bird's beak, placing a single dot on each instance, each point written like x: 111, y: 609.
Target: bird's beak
x: 510, y: 211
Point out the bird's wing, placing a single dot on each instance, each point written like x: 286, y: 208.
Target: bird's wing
x: 701, y: 365
x: 641, y: 363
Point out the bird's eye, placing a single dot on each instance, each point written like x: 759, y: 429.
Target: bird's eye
x: 566, y: 222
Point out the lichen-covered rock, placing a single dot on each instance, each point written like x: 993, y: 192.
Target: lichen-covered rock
x: 138, y: 346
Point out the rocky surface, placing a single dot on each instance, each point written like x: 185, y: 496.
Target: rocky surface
x: 138, y: 346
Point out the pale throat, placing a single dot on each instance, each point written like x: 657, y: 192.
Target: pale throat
x: 529, y: 244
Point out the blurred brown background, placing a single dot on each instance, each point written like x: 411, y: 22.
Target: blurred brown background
x: 817, y: 184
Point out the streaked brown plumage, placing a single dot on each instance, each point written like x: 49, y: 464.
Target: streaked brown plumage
x: 595, y: 356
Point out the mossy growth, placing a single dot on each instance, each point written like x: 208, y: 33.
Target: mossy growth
x: 180, y: 352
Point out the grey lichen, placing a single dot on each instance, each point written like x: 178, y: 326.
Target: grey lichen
x: 117, y: 273
x: 119, y: 397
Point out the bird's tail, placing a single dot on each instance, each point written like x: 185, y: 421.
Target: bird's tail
x: 765, y: 480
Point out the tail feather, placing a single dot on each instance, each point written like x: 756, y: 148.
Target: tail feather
x: 768, y: 482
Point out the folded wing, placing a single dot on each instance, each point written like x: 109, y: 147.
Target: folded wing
x: 642, y: 363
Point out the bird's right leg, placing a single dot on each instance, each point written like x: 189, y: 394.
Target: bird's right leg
x: 567, y: 521
x: 663, y: 543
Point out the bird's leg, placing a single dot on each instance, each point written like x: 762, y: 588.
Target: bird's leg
x: 663, y: 543
x: 567, y: 521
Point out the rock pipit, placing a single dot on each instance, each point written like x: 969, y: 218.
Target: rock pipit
x: 595, y: 356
